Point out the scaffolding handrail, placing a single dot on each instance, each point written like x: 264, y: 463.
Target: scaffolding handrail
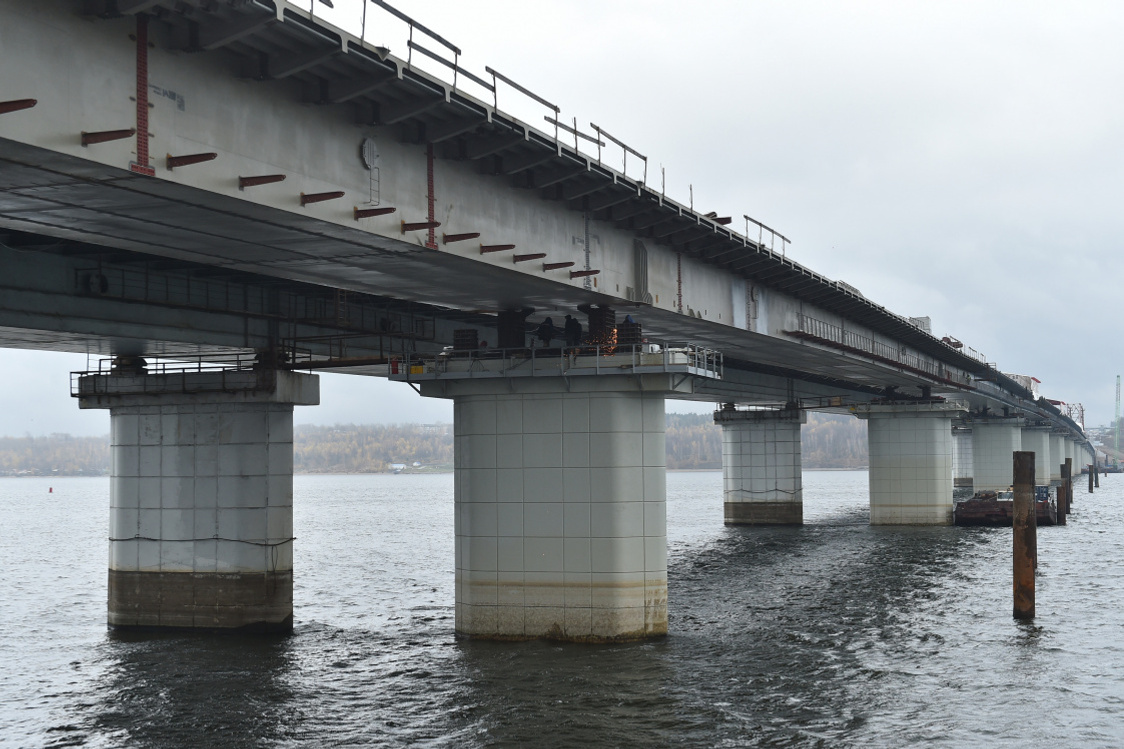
x: 595, y: 359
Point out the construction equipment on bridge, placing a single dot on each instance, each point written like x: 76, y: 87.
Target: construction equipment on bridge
x: 996, y: 509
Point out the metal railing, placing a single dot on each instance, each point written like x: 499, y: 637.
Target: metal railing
x: 561, y: 361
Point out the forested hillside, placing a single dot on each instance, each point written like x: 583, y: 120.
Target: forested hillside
x: 693, y: 442
x: 371, y: 449
x: 833, y: 441
x: 58, y: 454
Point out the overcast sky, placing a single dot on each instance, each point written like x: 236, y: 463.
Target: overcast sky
x: 961, y: 160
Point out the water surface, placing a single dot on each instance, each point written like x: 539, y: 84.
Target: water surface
x: 832, y: 634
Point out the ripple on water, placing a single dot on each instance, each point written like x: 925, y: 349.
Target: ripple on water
x: 832, y: 634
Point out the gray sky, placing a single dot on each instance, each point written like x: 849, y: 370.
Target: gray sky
x: 960, y: 160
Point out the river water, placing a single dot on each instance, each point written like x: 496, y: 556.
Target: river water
x: 835, y: 634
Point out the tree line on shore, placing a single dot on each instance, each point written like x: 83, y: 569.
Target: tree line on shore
x: 693, y: 442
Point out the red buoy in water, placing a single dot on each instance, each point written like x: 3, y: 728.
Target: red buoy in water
x: 50, y: 490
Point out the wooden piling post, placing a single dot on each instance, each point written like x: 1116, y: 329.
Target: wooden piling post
x: 1096, y: 473
x: 1068, y: 478
x: 1025, y: 535
x: 1061, y: 504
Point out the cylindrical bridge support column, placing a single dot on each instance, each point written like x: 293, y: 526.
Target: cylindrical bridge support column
x: 994, y: 440
x: 962, y: 470
x: 1057, y: 456
x: 201, y: 511
x: 1036, y: 439
x: 761, y: 466
x: 560, y: 506
x: 910, y: 462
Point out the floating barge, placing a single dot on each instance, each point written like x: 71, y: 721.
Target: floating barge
x: 998, y: 509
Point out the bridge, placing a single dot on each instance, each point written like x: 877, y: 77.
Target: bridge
x: 223, y: 198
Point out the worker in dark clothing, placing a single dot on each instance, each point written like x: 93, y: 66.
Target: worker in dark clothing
x: 546, y: 331
x: 573, y: 331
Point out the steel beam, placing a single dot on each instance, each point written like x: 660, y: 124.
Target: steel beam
x: 390, y: 114
x: 611, y: 200
x: 516, y: 164
x: 219, y: 35
x: 439, y: 132
x: 560, y: 175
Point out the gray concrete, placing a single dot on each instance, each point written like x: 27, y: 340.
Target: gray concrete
x: 560, y: 507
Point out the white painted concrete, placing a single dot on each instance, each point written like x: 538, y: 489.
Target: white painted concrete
x: 962, y: 456
x: 202, y: 483
x: 202, y: 487
x: 910, y: 462
x: 1057, y: 455
x: 761, y: 471
x: 560, y: 507
x: 85, y: 75
x: 1037, y: 441
x: 993, y: 443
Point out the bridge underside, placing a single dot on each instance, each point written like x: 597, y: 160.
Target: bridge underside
x: 98, y: 217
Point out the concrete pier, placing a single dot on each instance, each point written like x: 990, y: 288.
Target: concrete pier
x: 910, y: 462
x: 961, y: 456
x: 1036, y: 439
x: 761, y: 466
x: 560, y: 506
x: 994, y: 439
x: 1024, y: 525
x: 201, y: 511
x: 1057, y: 455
